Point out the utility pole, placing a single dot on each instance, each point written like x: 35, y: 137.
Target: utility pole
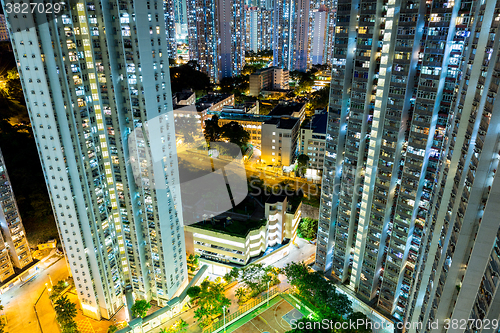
x: 36, y: 313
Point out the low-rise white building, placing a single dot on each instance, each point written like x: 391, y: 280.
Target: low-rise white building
x: 223, y: 242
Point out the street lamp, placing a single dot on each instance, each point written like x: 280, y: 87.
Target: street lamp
x: 50, y: 279
x: 224, y: 313
x: 267, y: 293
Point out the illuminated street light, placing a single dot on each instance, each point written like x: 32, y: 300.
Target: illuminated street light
x: 224, y: 313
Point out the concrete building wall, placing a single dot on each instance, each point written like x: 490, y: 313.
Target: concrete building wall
x: 313, y: 145
x: 278, y: 145
x: 4, y: 32
x: 385, y: 141
x: 13, y: 231
x: 318, y: 37
x: 89, y: 108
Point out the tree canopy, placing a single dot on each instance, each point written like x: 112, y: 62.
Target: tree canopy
x: 320, y: 98
x: 330, y: 305
x: 140, y: 308
x: 193, y: 291
x: 211, y: 302
x: 308, y: 228
x: 316, y: 289
x: 232, y: 131
x: 65, y: 314
x: 188, y: 77
x: 302, y: 161
x: 255, y: 277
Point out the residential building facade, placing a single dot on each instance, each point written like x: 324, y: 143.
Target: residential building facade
x: 458, y: 269
x: 390, y: 105
x: 181, y: 20
x: 313, y: 141
x: 202, y: 36
x: 216, y: 33
x: 271, y: 78
x: 259, y: 29
x: 279, y: 141
x: 92, y: 116
x: 4, y: 32
x: 13, y: 231
x: 318, y: 37
x: 291, y: 34
x: 170, y: 12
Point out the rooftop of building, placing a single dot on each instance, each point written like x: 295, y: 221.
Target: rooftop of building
x: 275, y: 198
x: 239, y: 108
x: 212, y: 98
x: 317, y: 123
x: 230, y: 226
x: 183, y: 95
x: 293, y: 201
x: 286, y: 108
x: 283, y: 123
x: 240, y: 116
x: 262, y: 70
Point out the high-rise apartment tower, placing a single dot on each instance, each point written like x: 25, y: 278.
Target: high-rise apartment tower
x: 291, y: 34
x: 394, y: 81
x: 15, y: 250
x: 458, y: 270
x: 216, y: 33
x: 96, y: 83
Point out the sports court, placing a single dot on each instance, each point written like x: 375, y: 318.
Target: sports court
x: 273, y: 319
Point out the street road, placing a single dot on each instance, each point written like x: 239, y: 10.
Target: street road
x: 195, y: 164
x: 19, y: 301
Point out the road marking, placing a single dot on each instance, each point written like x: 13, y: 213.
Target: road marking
x: 275, y: 316
x: 251, y: 321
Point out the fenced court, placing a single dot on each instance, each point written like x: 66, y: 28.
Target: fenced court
x: 277, y: 318
x: 259, y: 317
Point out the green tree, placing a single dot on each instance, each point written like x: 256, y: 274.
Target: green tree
x: 178, y: 327
x: 189, y: 77
x: 70, y: 327
x: 213, y: 131
x: 297, y: 275
x: 112, y: 329
x: 255, y: 277
x: 319, y: 99
x: 57, y: 289
x: 320, y: 292
x: 235, y: 133
x: 193, y: 261
x: 15, y: 90
x: 140, y: 308
x: 302, y: 161
x: 182, y: 325
x: 194, y: 291
x: 65, y: 314
x: 2, y: 322
x: 211, y: 302
x: 242, y: 294
x: 354, y: 317
x: 308, y: 228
